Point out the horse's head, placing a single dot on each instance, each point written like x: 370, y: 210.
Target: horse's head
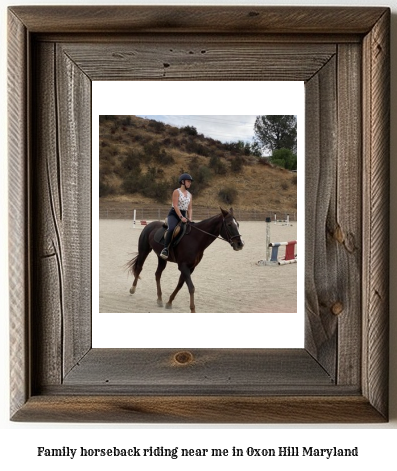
x: 230, y: 230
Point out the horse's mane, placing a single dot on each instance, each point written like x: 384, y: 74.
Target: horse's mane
x: 209, y: 219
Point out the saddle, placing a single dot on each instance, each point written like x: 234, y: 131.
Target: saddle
x: 179, y: 232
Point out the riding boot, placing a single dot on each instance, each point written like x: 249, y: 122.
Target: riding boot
x: 168, y: 237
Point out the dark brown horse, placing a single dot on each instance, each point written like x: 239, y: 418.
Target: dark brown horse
x: 188, y: 253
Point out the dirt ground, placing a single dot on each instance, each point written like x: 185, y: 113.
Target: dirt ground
x: 225, y: 281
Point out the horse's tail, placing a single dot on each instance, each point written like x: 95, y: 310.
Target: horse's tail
x: 131, y: 265
x: 135, y: 265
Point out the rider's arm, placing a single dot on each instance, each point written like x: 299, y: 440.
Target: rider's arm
x: 190, y: 210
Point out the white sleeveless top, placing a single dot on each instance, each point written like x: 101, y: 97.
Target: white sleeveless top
x: 183, y: 201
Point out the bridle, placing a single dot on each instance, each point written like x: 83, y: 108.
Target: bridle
x: 229, y: 236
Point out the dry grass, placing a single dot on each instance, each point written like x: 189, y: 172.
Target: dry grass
x: 260, y: 187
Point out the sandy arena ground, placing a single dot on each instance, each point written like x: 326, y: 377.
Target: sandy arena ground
x: 225, y: 280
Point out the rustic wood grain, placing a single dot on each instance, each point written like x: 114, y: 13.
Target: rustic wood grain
x: 227, y: 369
x: 346, y: 228
x: 47, y: 202
x: 74, y: 144
x: 375, y: 324
x: 199, y: 409
x: 19, y: 224
x: 209, y: 59
x: 63, y: 219
x: 321, y: 278
x: 196, y: 19
x: 341, y: 375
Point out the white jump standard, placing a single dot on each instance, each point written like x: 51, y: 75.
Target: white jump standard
x: 272, y: 258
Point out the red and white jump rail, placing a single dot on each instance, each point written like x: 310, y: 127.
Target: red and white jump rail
x: 289, y: 257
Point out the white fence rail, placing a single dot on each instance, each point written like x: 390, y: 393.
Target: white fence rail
x: 157, y: 213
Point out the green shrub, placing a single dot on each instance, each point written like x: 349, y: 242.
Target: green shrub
x: 132, y: 183
x: 194, y: 147
x: 217, y: 165
x: 164, y: 158
x: 228, y: 195
x: 160, y: 191
x: 190, y: 130
x: 236, y: 164
x: 202, y: 176
x: 284, y: 158
x: 105, y: 189
x: 157, y: 126
x: 148, y: 184
x: 126, y: 121
x: 151, y: 150
x: 132, y: 160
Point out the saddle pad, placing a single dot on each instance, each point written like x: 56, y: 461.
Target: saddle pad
x: 159, y: 235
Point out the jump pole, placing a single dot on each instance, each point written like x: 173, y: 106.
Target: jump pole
x: 267, y: 239
x: 267, y: 260
x: 289, y: 252
x: 134, y: 218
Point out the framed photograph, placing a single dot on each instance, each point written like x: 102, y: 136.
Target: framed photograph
x: 137, y: 159
x: 340, y: 375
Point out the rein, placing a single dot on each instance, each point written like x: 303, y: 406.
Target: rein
x: 230, y: 238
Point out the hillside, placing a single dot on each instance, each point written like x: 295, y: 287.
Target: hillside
x: 141, y: 159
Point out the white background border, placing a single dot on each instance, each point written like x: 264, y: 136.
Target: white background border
x: 21, y: 439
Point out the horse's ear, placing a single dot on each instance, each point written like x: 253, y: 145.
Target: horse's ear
x: 224, y: 212
x: 231, y: 211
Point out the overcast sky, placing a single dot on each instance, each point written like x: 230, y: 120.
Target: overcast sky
x: 225, y: 128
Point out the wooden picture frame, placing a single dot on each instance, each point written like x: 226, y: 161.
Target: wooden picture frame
x: 342, y: 54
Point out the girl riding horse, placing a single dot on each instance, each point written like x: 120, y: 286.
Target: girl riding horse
x: 181, y: 210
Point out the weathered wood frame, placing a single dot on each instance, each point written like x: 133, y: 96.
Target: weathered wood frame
x: 342, y: 54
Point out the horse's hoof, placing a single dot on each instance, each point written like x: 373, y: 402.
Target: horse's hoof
x: 132, y: 290
x: 160, y: 303
x: 168, y: 306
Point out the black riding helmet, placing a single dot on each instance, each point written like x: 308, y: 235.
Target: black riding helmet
x: 185, y: 176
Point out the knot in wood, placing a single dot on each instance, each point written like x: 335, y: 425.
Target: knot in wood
x: 338, y: 235
x: 183, y: 358
x: 337, y: 308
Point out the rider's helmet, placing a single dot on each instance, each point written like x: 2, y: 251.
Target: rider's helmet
x: 183, y: 177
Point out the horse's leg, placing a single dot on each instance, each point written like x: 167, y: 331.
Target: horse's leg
x: 133, y: 287
x: 160, y: 268
x: 137, y: 271
x: 185, y: 277
x: 187, y: 273
x: 175, y: 292
x: 136, y: 266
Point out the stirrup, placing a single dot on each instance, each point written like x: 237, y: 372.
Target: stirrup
x: 164, y: 253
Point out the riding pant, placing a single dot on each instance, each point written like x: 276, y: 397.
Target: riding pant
x: 173, y: 220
